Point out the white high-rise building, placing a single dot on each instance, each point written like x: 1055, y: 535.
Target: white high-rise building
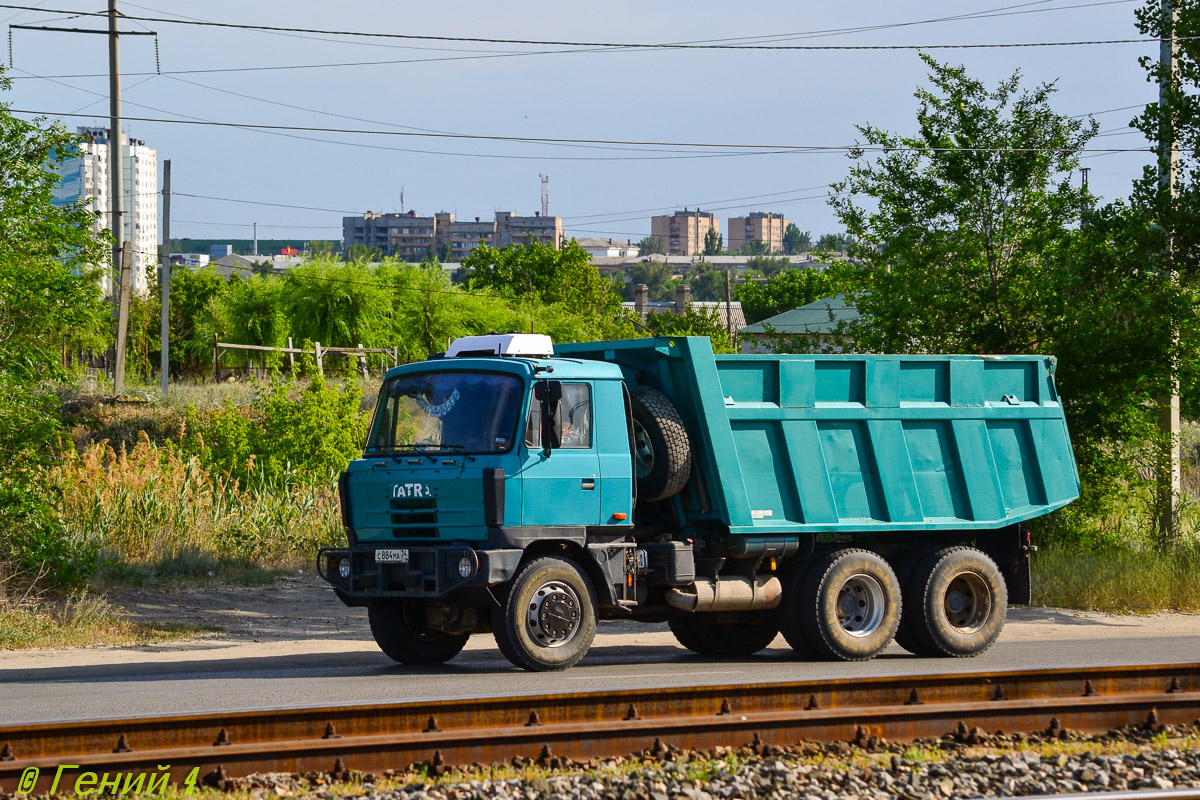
x: 86, y: 175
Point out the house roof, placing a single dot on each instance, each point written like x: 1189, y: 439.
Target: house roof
x: 713, y: 307
x: 820, y: 317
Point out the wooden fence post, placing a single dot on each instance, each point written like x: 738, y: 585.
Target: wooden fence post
x: 395, y: 356
x: 216, y: 376
x: 362, y: 361
x: 320, y: 363
x: 291, y: 357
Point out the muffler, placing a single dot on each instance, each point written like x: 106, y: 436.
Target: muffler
x: 733, y: 593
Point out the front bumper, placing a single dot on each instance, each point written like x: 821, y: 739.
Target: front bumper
x: 431, y: 571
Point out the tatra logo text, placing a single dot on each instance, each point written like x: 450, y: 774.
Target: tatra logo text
x: 411, y: 490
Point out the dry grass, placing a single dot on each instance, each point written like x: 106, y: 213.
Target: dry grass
x: 1119, y: 580
x: 83, y: 619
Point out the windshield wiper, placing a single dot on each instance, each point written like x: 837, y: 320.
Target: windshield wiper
x: 394, y: 452
x: 458, y: 448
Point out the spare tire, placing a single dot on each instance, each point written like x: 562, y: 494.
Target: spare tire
x: 662, y: 454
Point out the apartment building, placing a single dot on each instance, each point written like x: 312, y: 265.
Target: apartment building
x: 683, y: 232
x: 759, y: 226
x: 412, y: 237
x: 85, y: 176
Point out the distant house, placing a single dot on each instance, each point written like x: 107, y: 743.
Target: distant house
x: 719, y: 310
x: 818, y: 322
x: 609, y: 248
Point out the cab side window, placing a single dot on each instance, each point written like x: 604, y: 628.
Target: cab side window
x: 574, y: 418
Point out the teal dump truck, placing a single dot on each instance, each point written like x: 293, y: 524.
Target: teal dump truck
x: 529, y: 489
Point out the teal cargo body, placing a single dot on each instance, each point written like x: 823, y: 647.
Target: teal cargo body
x: 843, y: 443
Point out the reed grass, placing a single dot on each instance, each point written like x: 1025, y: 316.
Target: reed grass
x: 1121, y: 580
x: 152, y: 506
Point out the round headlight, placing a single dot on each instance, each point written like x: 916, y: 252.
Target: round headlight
x: 344, y: 568
x: 465, y: 566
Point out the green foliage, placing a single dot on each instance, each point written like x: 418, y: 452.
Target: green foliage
x: 834, y: 242
x: 767, y: 265
x: 964, y: 234
x: 755, y: 247
x: 713, y: 242
x: 338, y: 305
x: 693, y: 322
x: 788, y: 289
x: 362, y: 253
x: 658, y: 277
x: 191, y: 292
x: 289, y: 434
x: 707, y: 282
x: 319, y: 248
x: 536, y: 272
x: 650, y: 245
x: 248, y: 311
x: 795, y: 240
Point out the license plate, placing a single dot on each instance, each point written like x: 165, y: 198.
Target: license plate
x: 392, y: 556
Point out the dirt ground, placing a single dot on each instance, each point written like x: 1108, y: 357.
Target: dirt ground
x: 303, y: 608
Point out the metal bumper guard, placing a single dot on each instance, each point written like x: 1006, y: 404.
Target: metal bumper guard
x: 431, y: 570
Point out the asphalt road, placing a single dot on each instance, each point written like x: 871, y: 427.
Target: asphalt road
x: 239, y: 675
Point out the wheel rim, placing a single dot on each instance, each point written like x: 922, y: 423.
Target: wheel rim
x: 968, y: 602
x: 860, y: 605
x: 554, y: 614
x: 643, y: 450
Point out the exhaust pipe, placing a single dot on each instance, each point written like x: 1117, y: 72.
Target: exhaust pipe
x: 733, y: 593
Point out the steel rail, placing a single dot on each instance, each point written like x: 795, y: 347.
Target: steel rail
x: 372, y: 738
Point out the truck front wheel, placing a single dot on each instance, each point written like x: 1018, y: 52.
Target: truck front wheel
x: 845, y: 607
x: 403, y: 634
x: 548, y: 620
x: 955, y: 604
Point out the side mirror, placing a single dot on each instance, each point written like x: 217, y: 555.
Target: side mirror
x: 549, y: 394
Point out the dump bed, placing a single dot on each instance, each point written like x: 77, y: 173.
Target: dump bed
x: 829, y: 443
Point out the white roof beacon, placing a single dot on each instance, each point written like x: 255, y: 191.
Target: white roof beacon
x: 523, y: 345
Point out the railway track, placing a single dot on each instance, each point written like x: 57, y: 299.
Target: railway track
x: 373, y: 738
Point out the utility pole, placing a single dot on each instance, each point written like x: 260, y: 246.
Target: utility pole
x: 1169, y: 478
x: 728, y: 306
x: 116, y: 188
x: 122, y: 317
x: 256, y: 240
x: 164, y: 324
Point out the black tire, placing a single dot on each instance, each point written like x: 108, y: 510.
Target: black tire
x: 547, y: 621
x: 662, y: 456
x: 754, y: 631
x: 904, y: 565
x: 691, y: 635
x: 857, y: 583
x: 955, y: 604
x: 402, y: 633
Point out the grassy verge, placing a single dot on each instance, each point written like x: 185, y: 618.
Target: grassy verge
x: 81, y: 620
x: 1119, y: 580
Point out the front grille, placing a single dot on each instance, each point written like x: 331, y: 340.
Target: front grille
x: 414, y: 518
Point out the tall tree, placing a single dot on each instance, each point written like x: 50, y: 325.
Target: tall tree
x: 655, y: 274
x: 795, y: 240
x: 650, y: 245
x: 959, y: 216
x: 787, y: 290
x: 713, y: 242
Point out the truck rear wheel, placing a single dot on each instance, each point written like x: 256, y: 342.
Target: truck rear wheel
x: 662, y: 454
x: 754, y: 631
x: 403, y: 634
x: 955, y: 604
x: 846, y: 607
x: 548, y: 620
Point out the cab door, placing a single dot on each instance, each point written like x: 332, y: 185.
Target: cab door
x: 564, y: 487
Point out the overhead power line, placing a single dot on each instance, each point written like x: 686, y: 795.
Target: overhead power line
x: 572, y: 43
x: 563, y: 140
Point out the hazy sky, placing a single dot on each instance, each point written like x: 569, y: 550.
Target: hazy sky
x: 712, y: 96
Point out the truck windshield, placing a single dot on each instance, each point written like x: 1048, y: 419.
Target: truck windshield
x: 463, y: 412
